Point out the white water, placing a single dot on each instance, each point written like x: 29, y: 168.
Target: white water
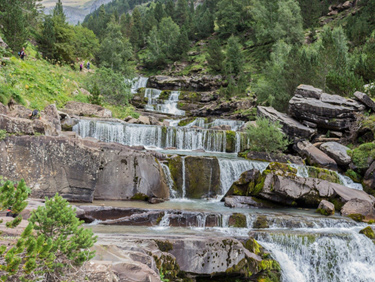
x: 138, y: 82
x: 170, y: 105
x: 183, y: 178
x: 169, y: 180
x: 344, y: 255
x: 151, y: 94
x: 231, y: 170
x: 200, y: 122
x: 153, y: 136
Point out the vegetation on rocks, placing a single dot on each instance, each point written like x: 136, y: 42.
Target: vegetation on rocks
x: 363, y: 154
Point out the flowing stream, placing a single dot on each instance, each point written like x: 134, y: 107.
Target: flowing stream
x: 309, y: 247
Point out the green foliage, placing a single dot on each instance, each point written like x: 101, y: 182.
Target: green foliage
x: 215, y: 56
x: 266, y: 136
x: 95, y: 92
x: 57, y: 223
x: 233, y: 58
x: 3, y: 134
x: 112, y: 86
x: 362, y: 154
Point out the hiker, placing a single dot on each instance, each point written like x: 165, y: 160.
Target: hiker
x: 22, y: 53
x: 34, y: 114
x: 88, y: 65
x: 80, y: 67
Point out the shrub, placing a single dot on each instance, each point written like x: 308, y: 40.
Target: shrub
x: 266, y: 136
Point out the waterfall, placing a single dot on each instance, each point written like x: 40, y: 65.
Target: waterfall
x: 238, y: 142
x: 170, y: 105
x: 348, y: 182
x: 169, y: 180
x: 151, y: 94
x: 200, y: 122
x: 231, y: 170
x: 136, y: 83
x: 346, y: 256
x: 183, y: 178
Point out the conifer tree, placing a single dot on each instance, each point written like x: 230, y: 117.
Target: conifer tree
x: 95, y: 92
x: 14, y: 23
x: 234, y: 59
x: 182, y: 12
x: 47, y: 39
x: 58, y: 13
x: 215, y: 56
x: 159, y: 12
x: 169, y: 9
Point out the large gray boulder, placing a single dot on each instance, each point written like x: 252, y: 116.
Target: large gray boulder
x: 16, y: 125
x: 51, y: 114
x: 359, y: 210
x: 326, y: 111
x: 291, y: 127
x: 365, y: 99
x: 81, y: 170
x: 326, y: 208
x: 314, y: 156
x: 84, y: 109
x: 337, y: 151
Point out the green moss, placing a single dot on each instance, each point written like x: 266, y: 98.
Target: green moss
x: 353, y: 175
x: 361, y: 155
x: 164, y: 246
x: 281, y: 169
x: 261, y: 222
x: 259, y: 185
x: 3, y: 134
x: 357, y: 217
x: 368, y: 232
x: 186, y: 121
x: 139, y: 197
x: 253, y: 246
x: 337, y: 203
x: 323, y: 212
x: 164, y: 95
x: 324, y: 174
x: 237, y: 220
x: 230, y: 141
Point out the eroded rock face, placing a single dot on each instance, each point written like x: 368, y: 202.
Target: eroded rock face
x: 337, y: 151
x: 3, y: 109
x: 314, y: 156
x: 202, y: 176
x: 81, y: 170
x: 365, y: 99
x: 369, y: 178
x: 359, y: 210
x: 291, y: 127
x: 51, y: 114
x: 326, y: 111
x: 84, y: 109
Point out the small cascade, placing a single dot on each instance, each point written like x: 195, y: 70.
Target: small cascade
x: 231, y: 170
x: 200, y: 122
x: 169, y: 180
x: 154, y: 136
x: 238, y: 142
x: 164, y: 222
x: 201, y: 220
x: 225, y: 220
x: 348, y: 182
x: 151, y: 94
x: 137, y: 82
x: 183, y: 178
x: 346, y: 256
x: 173, y: 122
x: 170, y: 105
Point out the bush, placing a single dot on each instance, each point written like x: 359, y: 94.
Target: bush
x: 266, y: 136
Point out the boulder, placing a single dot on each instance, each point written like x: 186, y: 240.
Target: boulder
x: 81, y: 170
x: 327, y: 111
x: 273, y: 157
x: 314, y: 156
x: 365, y: 99
x: 16, y: 125
x: 84, y: 109
x: 337, y: 151
x: 359, y: 209
x: 326, y: 208
x: 369, y: 178
x: 19, y: 112
x: 368, y: 232
x: 246, y: 202
x: 291, y: 127
x: 99, y: 271
x: 51, y: 114
x: 144, y: 120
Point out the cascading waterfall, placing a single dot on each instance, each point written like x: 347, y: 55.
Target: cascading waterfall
x: 170, y: 105
x: 137, y: 82
x: 153, y: 135
x: 342, y: 256
x: 231, y: 170
x: 151, y: 94
x: 200, y: 122
x: 169, y: 180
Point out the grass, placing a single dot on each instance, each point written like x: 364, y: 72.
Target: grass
x: 36, y: 83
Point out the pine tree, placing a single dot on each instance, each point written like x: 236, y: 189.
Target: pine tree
x: 47, y: 39
x: 169, y: 9
x: 136, y: 36
x: 58, y: 13
x: 182, y: 12
x: 215, y: 56
x: 95, y: 92
x: 234, y: 59
x: 159, y: 12
x: 14, y: 23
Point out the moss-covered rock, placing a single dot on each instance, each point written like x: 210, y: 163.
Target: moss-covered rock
x: 368, y: 232
x: 164, y: 246
x: 356, y: 177
x: 230, y: 141
x: 237, y: 220
x: 253, y: 246
x: 357, y: 217
x: 139, y: 197
x: 261, y: 222
x: 175, y: 167
x: 363, y: 155
x: 324, y: 174
x: 186, y: 121
x: 281, y: 169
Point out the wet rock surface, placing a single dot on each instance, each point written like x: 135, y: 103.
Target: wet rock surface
x: 84, y: 109
x: 326, y: 208
x: 81, y: 170
x: 337, y: 151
